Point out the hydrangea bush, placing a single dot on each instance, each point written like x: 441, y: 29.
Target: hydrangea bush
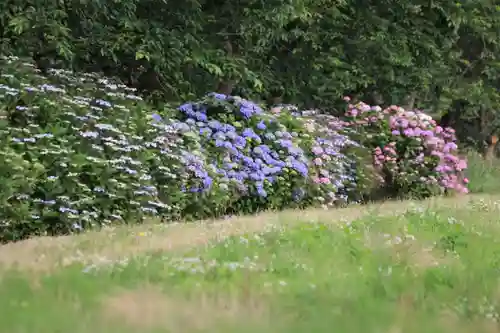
x: 79, y: 151
x: 414, y: 156
x: 262, y: 160
x: 334, y: 155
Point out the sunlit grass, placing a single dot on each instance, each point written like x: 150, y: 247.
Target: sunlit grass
x: 426, y: 267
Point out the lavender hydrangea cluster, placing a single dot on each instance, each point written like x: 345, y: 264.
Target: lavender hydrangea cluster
x: 414, y: 153
x: 332, y: 159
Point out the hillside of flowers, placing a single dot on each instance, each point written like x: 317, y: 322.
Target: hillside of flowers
x: 81, y: 151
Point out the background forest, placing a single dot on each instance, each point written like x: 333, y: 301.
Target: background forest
x: 438, y: 55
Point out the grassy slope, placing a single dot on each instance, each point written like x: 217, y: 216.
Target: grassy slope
x: 398, y: 267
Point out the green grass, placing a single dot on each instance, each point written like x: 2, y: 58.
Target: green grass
x: 423, y: 269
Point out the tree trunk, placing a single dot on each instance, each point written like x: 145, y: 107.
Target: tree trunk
x: 226, y: 85
x: 489, y: 153
x: 409, y: 103
x: 275, y: 100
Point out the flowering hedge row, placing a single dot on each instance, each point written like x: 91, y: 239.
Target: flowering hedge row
x: 80, y: 151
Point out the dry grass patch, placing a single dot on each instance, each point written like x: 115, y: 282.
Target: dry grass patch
x: 150, y: 308
x: 47, y: 253
x: 407, y: 249
x: 404, y: 315
x: 410, y: 251
x: 420, y: 256
x: 451, y: 322
x: 447, y: 320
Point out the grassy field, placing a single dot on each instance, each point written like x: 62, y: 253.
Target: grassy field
x: 428, y: 266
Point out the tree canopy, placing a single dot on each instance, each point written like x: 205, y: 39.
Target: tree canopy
x: 441, y: 56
